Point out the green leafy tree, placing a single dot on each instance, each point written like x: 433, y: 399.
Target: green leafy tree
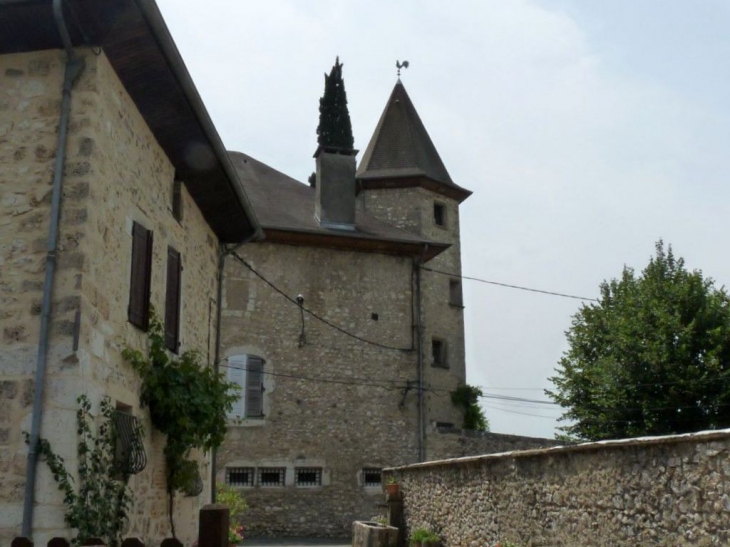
x: 651, y: 357
x: 335, y: 128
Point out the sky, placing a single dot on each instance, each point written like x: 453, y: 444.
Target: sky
x: 586, y: 130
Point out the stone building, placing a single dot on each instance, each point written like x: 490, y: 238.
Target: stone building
x: 146, y: 196
x: 345, y: 346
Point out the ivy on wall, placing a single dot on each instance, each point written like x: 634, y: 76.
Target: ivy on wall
x: 188, y: 402
x: 467, y: 397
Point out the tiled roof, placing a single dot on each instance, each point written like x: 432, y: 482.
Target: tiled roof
x: 282, y: 203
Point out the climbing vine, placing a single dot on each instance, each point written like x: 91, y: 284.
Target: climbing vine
x: 187, y: 401
x: 467, y: 397
x: 98, y: 507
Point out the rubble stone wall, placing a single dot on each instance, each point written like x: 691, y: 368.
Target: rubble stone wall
x: 651, y: 491
x: 457, y: 443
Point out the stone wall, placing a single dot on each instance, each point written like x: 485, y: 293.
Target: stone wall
x: 413, y: 209
x: 451, y: 442
x: 333, y: 402
x: 115, y: 174
x: 652, y: 491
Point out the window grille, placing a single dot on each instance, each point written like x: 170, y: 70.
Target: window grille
x: 272, y: 476
x: 130, y: 457
x: 372, y: 476
x: 308, y: 476
x: 240, y: 476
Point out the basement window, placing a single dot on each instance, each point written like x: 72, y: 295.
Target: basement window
x: 372, y: 476
x: 240, y: 476
x: 272, y: 476
x: 439, y: 214
x: 438, y: 353
x: 308, y: 476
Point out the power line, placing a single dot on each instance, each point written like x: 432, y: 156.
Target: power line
x: 310, y: 312
x: 507, y: 285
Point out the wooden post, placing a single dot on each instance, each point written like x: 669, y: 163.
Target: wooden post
x: 132, y: 542
x: 213, y: 530
x: 395, y: 516
x: 21, y: 542
x: 171, y: 542
x: 59, y: 542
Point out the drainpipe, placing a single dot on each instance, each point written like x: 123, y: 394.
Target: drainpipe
x: 217, y: 352
x: 419, y: 349
x: 74, y: 67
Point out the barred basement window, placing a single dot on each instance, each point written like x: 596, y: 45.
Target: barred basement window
x: 240, y: 476
x: 272, y: 476
x: 308, y: 476
x: 129, y: 455
x: 372, y: 476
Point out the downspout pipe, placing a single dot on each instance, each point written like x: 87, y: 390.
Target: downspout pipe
x: 74, y: 67
x: 217, y: 353
x: 419, y: 350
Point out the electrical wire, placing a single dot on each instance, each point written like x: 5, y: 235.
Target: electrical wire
x: 313, y: 314
x: 507, y: 285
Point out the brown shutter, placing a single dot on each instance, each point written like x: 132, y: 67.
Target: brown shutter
x: 139, y: 284
x: 255, y: 387
x: 172, y: 300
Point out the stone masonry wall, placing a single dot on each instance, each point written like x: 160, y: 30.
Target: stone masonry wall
x: 653, y: 491
x: 444, y: 442
x: 116, y: 174
x: 413, y: 209
x: 334, y: 403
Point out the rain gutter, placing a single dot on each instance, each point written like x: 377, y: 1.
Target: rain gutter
x: 74, y: 67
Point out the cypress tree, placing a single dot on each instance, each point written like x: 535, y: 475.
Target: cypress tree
x: 335, y: 129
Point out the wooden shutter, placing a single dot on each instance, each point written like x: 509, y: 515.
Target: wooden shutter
x: 255, y: 387
x: 139, y: 285
x: 172, y: 300
x: 236, y: 373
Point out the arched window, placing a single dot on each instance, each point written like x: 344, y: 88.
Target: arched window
x: 247, y: 371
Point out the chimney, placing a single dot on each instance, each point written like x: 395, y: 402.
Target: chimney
x: 334, y: 206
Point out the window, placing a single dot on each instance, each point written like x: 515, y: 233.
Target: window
x: 439, y: 214
x: 240, y: 476
x: 455, y: 297
x: 129, y: 455
x: 248, y: 372
x: 138, y: 312
x: 308, y: 476
x: 172, y: 300
x: 272, y: 476
x: 438, y: 352
x: 177, y: 211
x: 372, y: 476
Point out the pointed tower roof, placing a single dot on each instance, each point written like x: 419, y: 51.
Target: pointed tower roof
x: 401, y: 153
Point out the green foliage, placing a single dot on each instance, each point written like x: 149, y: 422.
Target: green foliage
x: 335, y: 128
x: 231, y: 498
x: 422, y: 535
x: 651, y: 357
x: 467, y: 397
x: 99, y: 506
x: 188, y: 402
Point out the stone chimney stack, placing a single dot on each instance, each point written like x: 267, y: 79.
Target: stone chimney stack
x: 334, y: 206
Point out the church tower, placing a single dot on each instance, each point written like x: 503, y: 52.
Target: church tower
x: 402, y: 180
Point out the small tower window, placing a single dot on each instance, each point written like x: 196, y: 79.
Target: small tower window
x: 177, y: 208
x: 439, y: 214
x: 455, y: 298
x: 438, y: 353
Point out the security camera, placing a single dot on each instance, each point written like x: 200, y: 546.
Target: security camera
x: 300, y: 299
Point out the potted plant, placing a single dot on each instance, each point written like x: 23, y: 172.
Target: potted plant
x: 421, y: 537
x: 391, y: 486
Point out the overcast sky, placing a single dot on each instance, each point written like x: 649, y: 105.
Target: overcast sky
x: 586, y: 130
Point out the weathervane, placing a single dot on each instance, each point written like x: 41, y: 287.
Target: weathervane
x: 400, y: 65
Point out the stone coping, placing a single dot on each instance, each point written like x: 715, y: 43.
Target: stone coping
x: 702, y: 436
